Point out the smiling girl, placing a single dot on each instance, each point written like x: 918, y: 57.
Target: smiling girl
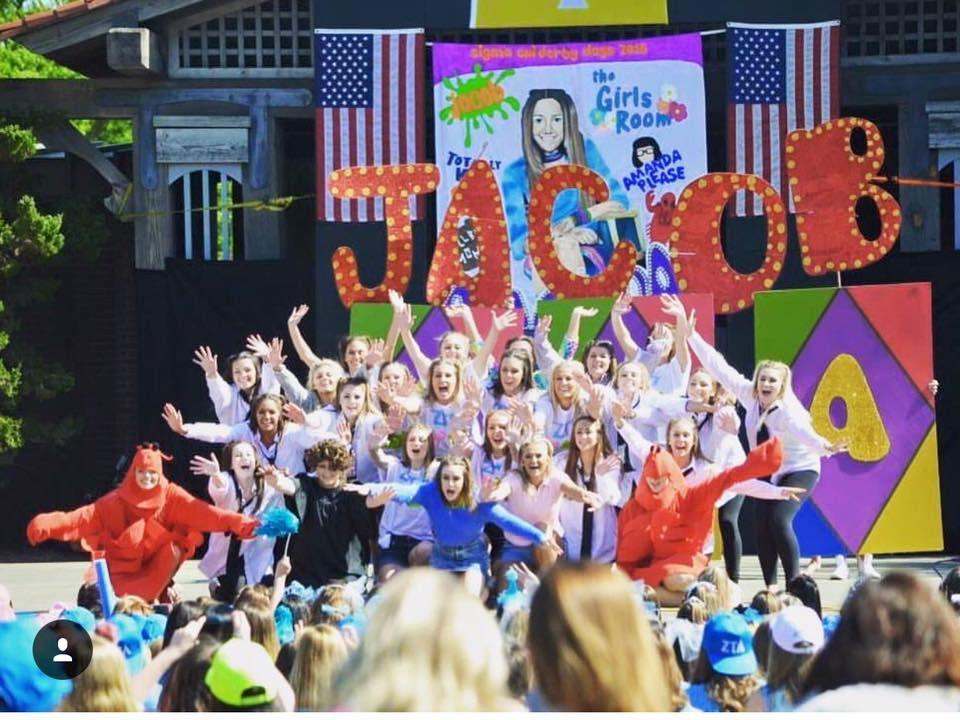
x: 590, y: 534
x: 457, y: 515
x: 444, y: 407
x: 405, y: 537
x: 514, y: 381
x: 773, y: 410
x: 248, y: 488
x: 555, y: 411
x: 231, y: 401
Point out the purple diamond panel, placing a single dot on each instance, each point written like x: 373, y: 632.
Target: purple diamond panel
x: 851, y: 494
x: 639, y: 330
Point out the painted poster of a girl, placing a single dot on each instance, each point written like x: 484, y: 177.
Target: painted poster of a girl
x: 550, y: 136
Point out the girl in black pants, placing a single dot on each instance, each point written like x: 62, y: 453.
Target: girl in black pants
x: 772, y: 411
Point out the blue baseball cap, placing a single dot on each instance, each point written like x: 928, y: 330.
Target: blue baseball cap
x: 728, y: 642
x: 130, y: 640
x: 82, y: 617
x: 23, y: 686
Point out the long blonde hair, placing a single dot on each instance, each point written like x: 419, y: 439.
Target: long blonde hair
x: 263, y: 628
x: 567, y: 365
x: 105, y: 685
x: 591, y: 646
x: 320, y: 653
x: 429, y: 646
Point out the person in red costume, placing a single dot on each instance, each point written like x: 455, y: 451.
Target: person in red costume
x: 662, y: 528
x: 145, y: 528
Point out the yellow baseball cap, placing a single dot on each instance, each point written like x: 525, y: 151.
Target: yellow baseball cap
x: 241, y: 674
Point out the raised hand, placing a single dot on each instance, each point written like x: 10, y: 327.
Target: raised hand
x: 543, y: 327
x: 792, y: 493
x: 518, y: 432
x: 283, y: 567
x: 585, y: 311
x: 205, y: 358
x: 595, y: 402
x: 275, y: 356
x: 408, y: 388
x: 520, y: 410
x: 381, y: 498
x: 623, y: 304
x: 552, y: 545
x: 620, y: 412
x: 838, y: 447
x: 583, y: 380
x: 297, y: 314
x: 527, y: 577
x: 609, y: 464
x: 173, y: 418
x: 294, y: 413
x: 592, y: 500
x: 395, y: 418
x: 199, y: 465
x: 459, y: 443
x: 493, y: 490
x: 472, y: 391
x: 456, y: 311
x: 185, y: 637
x: 356, y: 488
x: 501, y: 322
x: 396, y: 300
x: 344, y: 431
x: 375, y: 355
x: 672, y: 306
x: 258, y: 346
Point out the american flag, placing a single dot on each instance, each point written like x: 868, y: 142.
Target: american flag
x: 369, y: 110
x: 780, y: 78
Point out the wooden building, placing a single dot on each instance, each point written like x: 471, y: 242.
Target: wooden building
x: 220, y: 96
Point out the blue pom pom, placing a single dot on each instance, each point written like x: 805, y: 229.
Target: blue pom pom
x: 278, y: 521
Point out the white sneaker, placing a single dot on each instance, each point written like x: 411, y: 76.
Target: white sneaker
x: 866, y: 570
x: 841, y: 571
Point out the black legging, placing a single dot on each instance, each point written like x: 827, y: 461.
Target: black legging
x: 729, y: 518
x: 775, y: 535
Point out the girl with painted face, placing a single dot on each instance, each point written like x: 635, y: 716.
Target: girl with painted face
x: 249, y: 488
x: 533, y: 493
x: 231, y: 401
x: 773, y: 410
x: 405, y: 537
x: 550, y: 137
x: 590, y: 534
x: 458, y: 514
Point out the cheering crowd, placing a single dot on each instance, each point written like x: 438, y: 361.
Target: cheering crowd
x: 559, y: 505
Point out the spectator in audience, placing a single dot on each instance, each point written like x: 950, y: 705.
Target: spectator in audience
x: 591, y: 645
x: 241, y: 677
x: 805, y: 587
x: 797, y: 636
x: 726, y: 674
x: 104, y: 686
x: 950, y: 588
x: 429, y: 647
x: 320, y: 652
x: 897, y: 647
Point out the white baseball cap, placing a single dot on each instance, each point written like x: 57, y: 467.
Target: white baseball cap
x: 797, y: 629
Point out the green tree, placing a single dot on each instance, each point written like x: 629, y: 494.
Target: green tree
x: 17, y: 62
x: 28, y: 239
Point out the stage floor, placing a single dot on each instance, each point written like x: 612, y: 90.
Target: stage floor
x: 35, y: 586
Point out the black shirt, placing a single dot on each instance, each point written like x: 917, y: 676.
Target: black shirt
x: 333, y: 532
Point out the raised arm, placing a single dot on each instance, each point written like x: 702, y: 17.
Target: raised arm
x: 763, y: 460
x: 207, y: 432
x: 717, y: 366
x: 572, y: 491
x: 547, y: 357
x: 221, y: 394
x: 403, y: 316
x: 306, y: 355
x: 620, y: 308
x: 182, y: 508
x: 572, y: 337
x: 497, y: 326
x: 512, y: 524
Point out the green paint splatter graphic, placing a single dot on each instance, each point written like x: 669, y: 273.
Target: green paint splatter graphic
x: 477, y: 98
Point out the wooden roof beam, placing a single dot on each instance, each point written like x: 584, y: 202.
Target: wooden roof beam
x: 134, y: 52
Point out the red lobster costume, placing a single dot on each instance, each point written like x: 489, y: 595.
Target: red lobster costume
x: 144, y: 535
x: 662, y: 534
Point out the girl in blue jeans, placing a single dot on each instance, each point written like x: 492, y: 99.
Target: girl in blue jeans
x: 457, y: 516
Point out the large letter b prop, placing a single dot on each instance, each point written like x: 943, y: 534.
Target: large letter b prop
x: 826, y: 180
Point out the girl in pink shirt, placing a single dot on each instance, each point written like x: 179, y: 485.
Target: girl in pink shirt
x: 532, y: 492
